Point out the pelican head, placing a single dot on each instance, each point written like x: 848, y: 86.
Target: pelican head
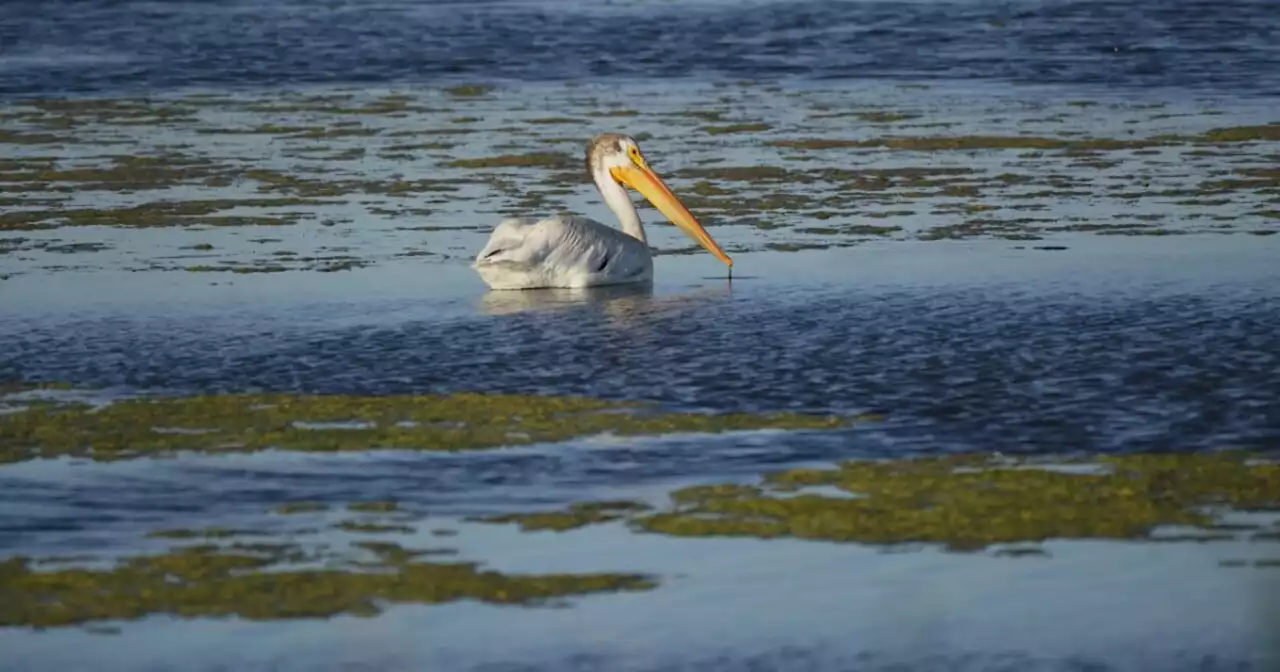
x: 619, y: 157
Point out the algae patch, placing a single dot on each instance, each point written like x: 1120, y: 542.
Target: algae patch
x: 726, y: 129
x: 289, y: 508
x: 470, y: 90
x: 384, y: 506
x: 1228, y: 135
x: 578, y: 515
x: 158, y: 213
x: 531, y: 160
x: 964, y: 503
x: 372, y: 528
x: 329, y: 423
x: 125, y: 173
x: 263, y: 582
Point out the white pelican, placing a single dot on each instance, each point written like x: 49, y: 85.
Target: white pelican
x: 572, y: 252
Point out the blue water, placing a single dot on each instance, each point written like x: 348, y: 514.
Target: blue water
x: 54, y: 47
x: 1096, y: 344
x: 1113, y: 346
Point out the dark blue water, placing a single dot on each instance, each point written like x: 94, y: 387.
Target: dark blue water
x: 99, y: 46
x: 1007, y: 369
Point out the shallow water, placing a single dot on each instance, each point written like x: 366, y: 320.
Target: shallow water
x: 1166, y: 344
x: 960, y: 347
x: 1036, y: 229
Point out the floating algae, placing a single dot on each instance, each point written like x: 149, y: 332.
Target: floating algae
x: 872, y: 117
x: 963, y: 502
x: 250, y: 422
x: 371, y: 528
x: 578, y: 515
x: 256, y: 582
x: 209, y: 533
x: 1238, y: 134
x: 157, y: 213
x: 531, y: 160
x: 469, y: 90
x: 275, y: 181
x: 216, y: 147
x: 614, y: 113
x: 736, y: 128
x: 301, y: 507
x: 124, y: 173
x: 542, y: 121
x: 19, y: 138
x: 376, y: 507
x: 391, y: 553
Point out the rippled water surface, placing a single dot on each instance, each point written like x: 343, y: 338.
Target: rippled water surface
x: 1041, y: 233
x: 1116, y: 346
x: 83, y: 46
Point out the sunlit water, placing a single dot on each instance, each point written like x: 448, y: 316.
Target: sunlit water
x: 1116, y: 344
x: 1073, y: 343
x: 1133, y: 345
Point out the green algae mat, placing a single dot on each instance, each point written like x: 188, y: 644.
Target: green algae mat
x: 328, y: 423
x: 963, y: 503
x: 348, y: 558
x: 262, y: 582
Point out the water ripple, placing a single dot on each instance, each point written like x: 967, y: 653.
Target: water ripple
x: 960, y: 369
x: 96, y: 45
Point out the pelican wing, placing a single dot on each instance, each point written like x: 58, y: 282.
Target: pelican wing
x: 560, y: 252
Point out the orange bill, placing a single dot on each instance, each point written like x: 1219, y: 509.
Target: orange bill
x: 642, y: 178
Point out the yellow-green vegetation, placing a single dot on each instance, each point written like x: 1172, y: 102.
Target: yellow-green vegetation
x: 222, y: 150
x: 327, y: 423
x: 157, y: 213
x: 235, y: 268
x: 579, y: 515
x: 556, y: 120
x: 615, y: 113
x: 124, y: 173
x: 872, y: 116
x: 1267, y: 132
x: 939, y: 143
x: 884, y: 117
x: 208, y: 533
x: 736, y: 128
x: 531, y: 160
x: 964, y: 502
x: 1233, y: 134
x: 469, y: 90
x: 275, y: 181
x: 301, y: 507
x: 257, y: 581
x: 867, y: 179
x: 393, y: 553
x: 11, y: 386
x: 377, y: 507
x: 371, y: 528
x: 19, y: 138
x: 797, y: 247
x: 277, y: 264
x: 68, y: 112
x: 394, y: 105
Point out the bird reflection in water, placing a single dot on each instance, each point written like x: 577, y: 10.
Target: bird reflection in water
x: 624, y: 305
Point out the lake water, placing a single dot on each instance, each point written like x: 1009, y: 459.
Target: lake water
x: 1038, y: 231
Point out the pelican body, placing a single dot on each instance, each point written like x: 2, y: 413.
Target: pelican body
x: 575, y: 252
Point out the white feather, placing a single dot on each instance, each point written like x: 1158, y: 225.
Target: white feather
x: 573, y: 252
x: 526, y: 253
